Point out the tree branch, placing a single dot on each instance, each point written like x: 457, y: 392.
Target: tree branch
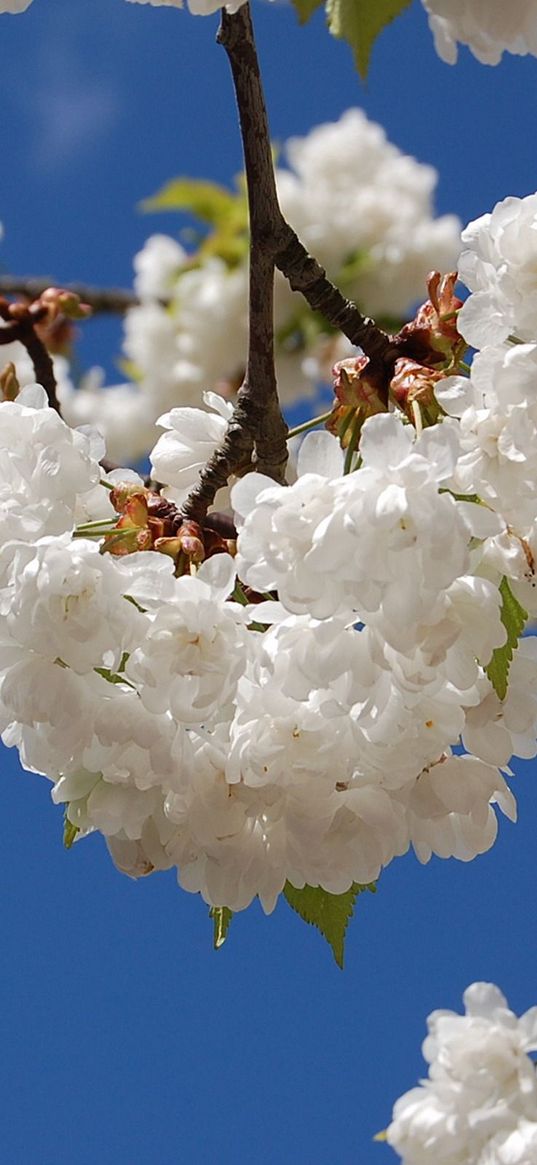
x: 257, y: 426
x: 275, y: 234
x: 306, y: 275
x: 19, y: 326
x: 257, y: 423
x: 105, y: 301
x: 259, y: 388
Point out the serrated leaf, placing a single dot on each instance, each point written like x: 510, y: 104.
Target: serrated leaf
x: 514, y: 619
x: 306, y: 8
x: 330, y: 913
x: 221, y: 917
x: 70, y: 832
x: 207, y: 200
x: 359, y: 22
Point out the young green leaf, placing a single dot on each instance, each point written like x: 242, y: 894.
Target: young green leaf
x: 514, y: 619
x: 69, y: 832
x: 207, y: 200
x: 330, y: 913
x: 359, y: 22
x: 306, y: 8
x: 112, y: 677
x: 221, y: 917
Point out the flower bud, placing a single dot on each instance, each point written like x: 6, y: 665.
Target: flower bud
x: 358, y: 394
x: 9, y: 384
x: 416, y: 382
x: 432, y: 335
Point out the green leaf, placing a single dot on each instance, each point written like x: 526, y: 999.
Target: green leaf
x: 207, y: 200
x: 221, y: 917
x: 514, y: 619
x: 112, y: 677
x: 355, y: 264
x: 359, y: 22
x: 306, y: 8
x: 330, y: 913
x: 223, y: 210
x: 69, y: 831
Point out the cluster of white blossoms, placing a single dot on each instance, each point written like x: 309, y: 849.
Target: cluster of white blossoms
x: 478, y: 1104
x: 304, y: 697
x: 302, y: 692
x: 370, y: 222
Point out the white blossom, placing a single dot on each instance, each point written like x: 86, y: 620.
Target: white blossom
x: 479, y: 1102
x: 44, y: 468
x: 191, y: 437
x: 14, y: 5
x: 488, y: 27
x: 369, y: 220
x: 498, y: 265
x: 194, y: 650
x: 197, y: 7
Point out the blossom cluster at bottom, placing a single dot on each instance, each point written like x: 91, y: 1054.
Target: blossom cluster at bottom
x: 478, y: 1105
x: 200, y: 722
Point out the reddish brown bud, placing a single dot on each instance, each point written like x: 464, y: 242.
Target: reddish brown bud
x: 190, y: 536
x: 432, y: 335
x: 415, y: 382
x: 359, y: 395
x: 124, y: 490
x: 60, y: 302
x: 169, y: 546
x: 9, y: 384
x: 18, y: 311
x: 135, y: 511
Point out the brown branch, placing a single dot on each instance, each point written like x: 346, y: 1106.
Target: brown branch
x: 19, y: 326
x: 306, y: 275
x: 257, y: 423
x: 105, y: 301
x: 260, y: 390
x: 257, y: 426
x: 276, y: 236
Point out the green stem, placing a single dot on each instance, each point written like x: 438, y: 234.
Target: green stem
x: 94, y: 533
x: 309, y: 425
x: 515, y: 340
x: 353, y: 443
x: 467, y: 368
x: 238, y: 595
x: 96, y: 525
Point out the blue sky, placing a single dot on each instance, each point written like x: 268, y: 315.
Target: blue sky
x: 124, y: 1038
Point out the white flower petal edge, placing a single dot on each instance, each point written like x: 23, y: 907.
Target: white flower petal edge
x: 479, y: 1102
x: 488, y: 27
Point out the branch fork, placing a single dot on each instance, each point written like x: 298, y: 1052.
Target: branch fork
x: 257, y: 430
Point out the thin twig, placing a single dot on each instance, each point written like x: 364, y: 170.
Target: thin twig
x: 21, y: 328
x: 306, y: 275
x: 103, y: 300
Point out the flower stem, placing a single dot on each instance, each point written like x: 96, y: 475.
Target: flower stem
x: 309, y: 425
x: 353, y: 443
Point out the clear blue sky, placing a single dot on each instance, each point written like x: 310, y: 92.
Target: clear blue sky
x: 124, y: 1038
